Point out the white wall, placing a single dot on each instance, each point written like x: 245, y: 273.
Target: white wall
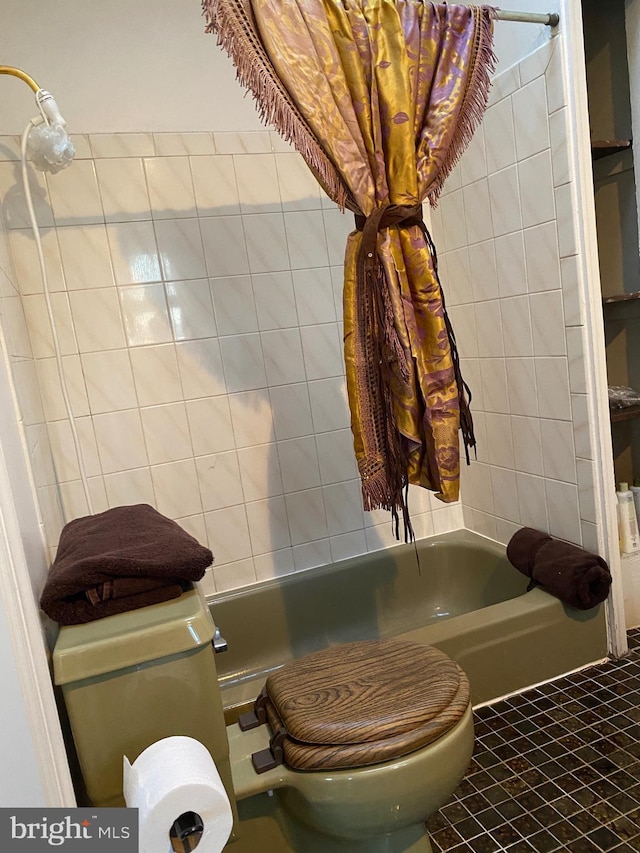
x: 35, y: 771
x: 120, y: 66
x: 34, y: 766
x: 20, y: 396
x: 20, y: 783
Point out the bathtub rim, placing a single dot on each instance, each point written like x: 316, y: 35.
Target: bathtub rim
x: 404, y: 551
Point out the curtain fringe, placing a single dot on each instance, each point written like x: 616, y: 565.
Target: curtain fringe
x: 275, y: 107
x: 476, y: 96
x: 375, y: 495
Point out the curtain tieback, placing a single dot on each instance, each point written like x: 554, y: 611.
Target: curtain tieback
x: 403, y: 216
x: 384, y: 358
x: 385, y: 216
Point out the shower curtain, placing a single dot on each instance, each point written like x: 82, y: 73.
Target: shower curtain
x: 380, y: 97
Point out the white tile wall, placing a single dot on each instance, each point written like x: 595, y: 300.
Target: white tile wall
x: 27, y: 379
x: 532, y: 409
x: 197, y: 288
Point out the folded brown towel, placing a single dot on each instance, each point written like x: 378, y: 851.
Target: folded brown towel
x: 572, y: 574
x: 119, y: 560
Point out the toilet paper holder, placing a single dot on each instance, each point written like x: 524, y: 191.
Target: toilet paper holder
x: 176, y: 787
x: 188, y: 827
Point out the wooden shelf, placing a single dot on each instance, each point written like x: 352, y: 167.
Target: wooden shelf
x: 604, y: 147
x: 620, y: 297
x: 626, y: 414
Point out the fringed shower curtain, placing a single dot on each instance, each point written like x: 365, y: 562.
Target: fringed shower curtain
x: 380, y: 97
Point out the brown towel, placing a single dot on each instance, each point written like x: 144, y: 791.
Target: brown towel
x: 572, y: 574
x: 119, y: 560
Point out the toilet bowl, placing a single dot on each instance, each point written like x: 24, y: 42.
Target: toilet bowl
x: 375, y: 736
x: 385, y: 806
x: 380, y: 699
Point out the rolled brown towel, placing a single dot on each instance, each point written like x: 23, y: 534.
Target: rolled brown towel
x: 119, y: 560
x: 572, y: 574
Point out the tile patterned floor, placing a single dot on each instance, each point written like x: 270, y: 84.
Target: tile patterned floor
x: 555, y: 768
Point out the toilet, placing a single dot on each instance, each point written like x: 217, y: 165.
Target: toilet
x: 355, y: 745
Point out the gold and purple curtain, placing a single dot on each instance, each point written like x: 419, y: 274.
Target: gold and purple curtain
x: 380, y: 97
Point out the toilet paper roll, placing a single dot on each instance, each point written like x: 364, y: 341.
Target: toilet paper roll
x: 173, y: 776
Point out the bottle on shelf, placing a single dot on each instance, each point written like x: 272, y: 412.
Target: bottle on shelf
x: 627, y: 520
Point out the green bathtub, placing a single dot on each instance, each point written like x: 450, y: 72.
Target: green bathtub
x: 456, y: 591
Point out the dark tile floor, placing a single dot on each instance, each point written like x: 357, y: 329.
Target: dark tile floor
x: 554, y: 768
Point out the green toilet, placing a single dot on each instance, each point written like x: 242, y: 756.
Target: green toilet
x: 360, y: 742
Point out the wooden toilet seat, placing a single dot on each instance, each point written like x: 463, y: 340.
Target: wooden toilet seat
x: 359, y: 704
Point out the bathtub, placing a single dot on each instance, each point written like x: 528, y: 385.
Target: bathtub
x: 456, y: 591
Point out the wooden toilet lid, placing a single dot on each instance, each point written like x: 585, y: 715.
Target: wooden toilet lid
x: 363, y: 703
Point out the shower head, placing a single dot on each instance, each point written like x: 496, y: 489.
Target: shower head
x: 49, y: 145
x: 50, y: 148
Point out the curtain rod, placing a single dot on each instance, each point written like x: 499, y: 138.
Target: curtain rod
x: 549, y: 19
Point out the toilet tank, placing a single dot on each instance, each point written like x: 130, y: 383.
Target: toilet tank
x: 134, y: 678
